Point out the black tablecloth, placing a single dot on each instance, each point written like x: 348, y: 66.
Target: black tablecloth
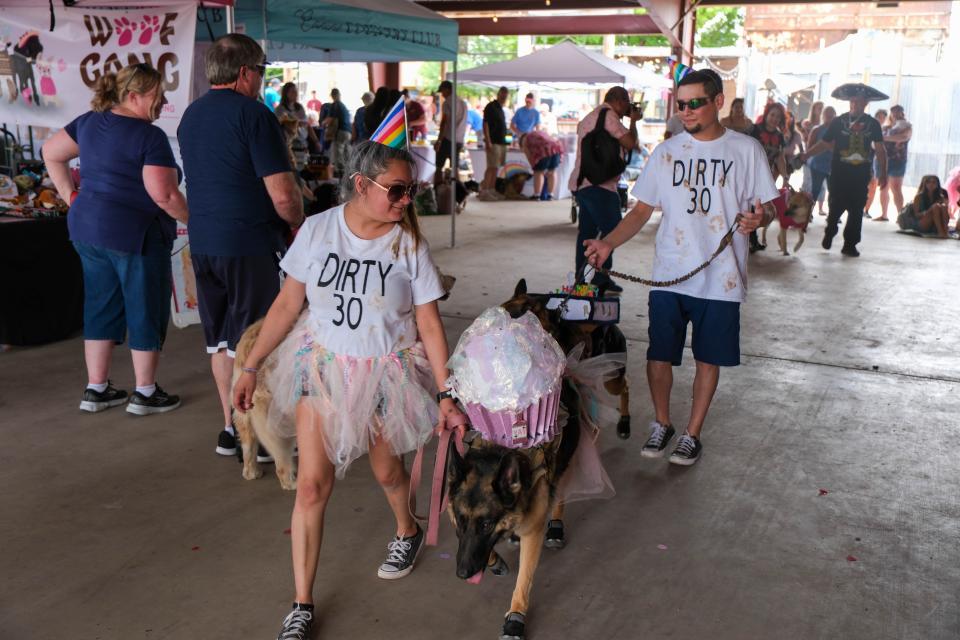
x: 41, y: 282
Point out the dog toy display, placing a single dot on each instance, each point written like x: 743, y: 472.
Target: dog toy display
x: 507, y: 374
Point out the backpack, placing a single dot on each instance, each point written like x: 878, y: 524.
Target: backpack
x: 601, y: 156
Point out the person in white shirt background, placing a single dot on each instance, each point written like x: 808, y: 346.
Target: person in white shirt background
x: 356, y: 373
x: 704, y: 179
x: 442, y: 146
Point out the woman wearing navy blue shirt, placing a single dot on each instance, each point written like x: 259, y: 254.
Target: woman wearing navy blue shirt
x: 122, y: 224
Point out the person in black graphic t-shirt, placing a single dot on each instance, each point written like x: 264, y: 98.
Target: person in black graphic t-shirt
x: 854, y: 138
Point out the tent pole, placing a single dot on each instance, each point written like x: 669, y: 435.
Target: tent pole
x: 231, y: 26
x: 454, y: 159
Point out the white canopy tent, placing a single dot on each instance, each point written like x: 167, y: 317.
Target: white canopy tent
x: 564, y: 63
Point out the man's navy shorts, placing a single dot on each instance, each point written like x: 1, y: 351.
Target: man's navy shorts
x: 234, y: 292
x: 716, y: 329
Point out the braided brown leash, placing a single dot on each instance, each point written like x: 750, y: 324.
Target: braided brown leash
x: 724, y: 241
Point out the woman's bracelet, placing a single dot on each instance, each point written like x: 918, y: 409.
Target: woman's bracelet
x: 249, y: 369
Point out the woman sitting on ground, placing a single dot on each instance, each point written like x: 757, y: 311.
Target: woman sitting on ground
x: 929, y: 211
x: 543, y: 153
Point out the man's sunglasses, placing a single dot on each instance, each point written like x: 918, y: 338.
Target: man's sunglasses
x: 395, y: 192
x: 259, y: 68
x: 693, y: 104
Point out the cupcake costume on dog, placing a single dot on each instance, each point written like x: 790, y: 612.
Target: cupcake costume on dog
x: 354, y: 355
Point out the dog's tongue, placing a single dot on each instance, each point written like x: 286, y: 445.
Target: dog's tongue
x: 475, y: 579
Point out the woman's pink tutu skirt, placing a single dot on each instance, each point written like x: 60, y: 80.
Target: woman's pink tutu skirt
x: 356, y: 399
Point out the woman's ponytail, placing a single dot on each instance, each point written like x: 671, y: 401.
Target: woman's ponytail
x: 105, y: 93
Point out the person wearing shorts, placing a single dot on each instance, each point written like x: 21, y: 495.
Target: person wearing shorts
x: 459, y: 117
x: 705, y: 180
x: 896, y: 141
x: 122, y: 224
x: 242, y: 187
x: 543, y: 153
x: 494, y: 142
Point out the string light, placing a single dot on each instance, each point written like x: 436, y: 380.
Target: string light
x: 547, y: 2
x: 495, y: 18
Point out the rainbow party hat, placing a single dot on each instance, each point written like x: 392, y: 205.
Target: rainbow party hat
x: 676, y: 70
x: 392, y: 132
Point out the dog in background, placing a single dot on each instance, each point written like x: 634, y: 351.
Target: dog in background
x: 794, y: 211
x: 596, y: 340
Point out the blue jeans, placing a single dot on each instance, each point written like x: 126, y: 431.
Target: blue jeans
x: 127, y: 292
x: 599, y: 214
x: 817, y: 180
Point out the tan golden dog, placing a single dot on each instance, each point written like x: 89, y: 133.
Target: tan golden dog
x: 252, y: 425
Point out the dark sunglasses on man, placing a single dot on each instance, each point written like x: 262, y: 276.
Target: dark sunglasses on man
x: 395, y: 192
x: 693, y: 104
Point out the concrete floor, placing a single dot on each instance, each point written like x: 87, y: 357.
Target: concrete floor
x: 121, y: 527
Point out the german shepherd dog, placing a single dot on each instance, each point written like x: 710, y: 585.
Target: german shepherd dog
x: 495, y: 491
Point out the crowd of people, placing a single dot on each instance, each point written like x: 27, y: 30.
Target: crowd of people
x: 363, y: 358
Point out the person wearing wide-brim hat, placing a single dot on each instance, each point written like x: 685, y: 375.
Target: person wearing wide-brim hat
x: 854, y: 138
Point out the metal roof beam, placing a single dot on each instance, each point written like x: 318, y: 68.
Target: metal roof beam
x: 559, y: 26
x: 488, y: 6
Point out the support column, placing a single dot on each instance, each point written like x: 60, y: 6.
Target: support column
x: 383, y: 74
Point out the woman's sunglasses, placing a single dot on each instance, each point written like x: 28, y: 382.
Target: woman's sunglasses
x: 693, y: 104
x: 395, y: 192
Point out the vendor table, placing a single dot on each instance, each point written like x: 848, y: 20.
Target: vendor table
x: 478, y: 160
x: 41, y: 282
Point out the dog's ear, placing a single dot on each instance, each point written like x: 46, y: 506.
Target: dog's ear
x: 509, y: 480
x: 521, y: 289
x: 456, y: 467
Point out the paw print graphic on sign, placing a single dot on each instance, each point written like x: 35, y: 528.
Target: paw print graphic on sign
x: 149, y: 26
x: 125, y: 30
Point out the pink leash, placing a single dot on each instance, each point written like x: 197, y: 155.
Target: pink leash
x: 438, y: 501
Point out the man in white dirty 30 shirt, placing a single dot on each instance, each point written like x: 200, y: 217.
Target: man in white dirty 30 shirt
x: 703, y: 179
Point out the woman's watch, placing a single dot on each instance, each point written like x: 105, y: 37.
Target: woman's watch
x: 444, y: 395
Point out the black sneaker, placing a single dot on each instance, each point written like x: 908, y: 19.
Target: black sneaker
x: 297, y: 624
x: 227, y: 442
x: 159, y: 402
x: 850, y: 252
x: 402, y: 553
x: 263, y: 455
x: 687, y: 451
x: 94, y: 401
x: 554, y: 538
x: 656, y: 444
x: 513, y: 627
x: 623, y: 427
